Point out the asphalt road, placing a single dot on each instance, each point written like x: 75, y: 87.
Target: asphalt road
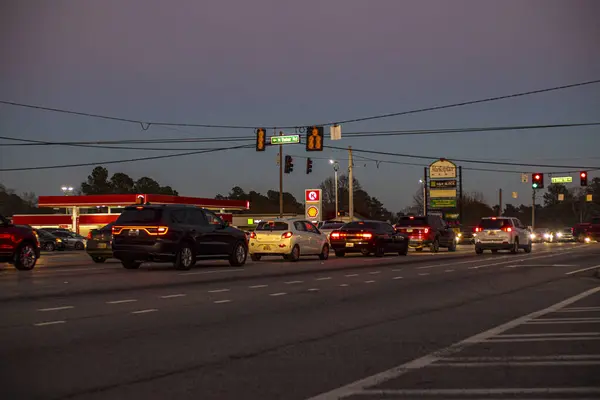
x: 433, y: 326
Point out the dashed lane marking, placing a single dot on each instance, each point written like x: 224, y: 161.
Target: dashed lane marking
x: 369, y: 281
x: 293, y: 282
x: 149, y: 310
x: 449, y: 270
x: 50, y: 323
x: 374, y: 272
x: 56, y: 308
x: 217, y: 271
x: 257, y: 286
x: 582, y: 270
x: 325, y: 278
x: 397, y: 277
x: 222, y: 301
x: 218, y: 291
x: 350, y: 275
x: 344, y: 285
x: 278, y: 294
x: 424, y: 273
x: 121, y: 301
x: 171, y: 296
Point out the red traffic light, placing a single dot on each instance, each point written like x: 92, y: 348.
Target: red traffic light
x: 537, y: 177
x: 583, y: 174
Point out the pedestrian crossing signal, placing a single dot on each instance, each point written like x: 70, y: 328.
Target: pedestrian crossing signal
x: 314, y: 138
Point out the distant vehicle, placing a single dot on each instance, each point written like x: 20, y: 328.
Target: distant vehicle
x: 502, y: 233
x: 288, y: 238
x: 466, y: 235
x: 427, y: 231
x: 541, y: 235
x: 175, y: 233
x: 99, y: 243
x: 19, y: 245
x: 72, y: 240
x: 329, y: 227
x: 48, y: 241
x: 368, y: 237
x: 587, y: 231
x: 564, y: 235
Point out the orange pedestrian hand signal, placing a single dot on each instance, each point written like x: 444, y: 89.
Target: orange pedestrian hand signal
x: 261, y: 136
x: 314, y: 138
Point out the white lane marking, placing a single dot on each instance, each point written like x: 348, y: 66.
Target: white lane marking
x: 369, y: 281
x: 171, y: 296
x: 579, y: 309
x: 344, y: 285
x: 313, y: 289
x: 411, y: 393
x: 325, y: 278
x: 424, y: 273
x: 397, y: 277
x: 374, y: 272
x: 581, y: 270
x: 293, y: 282
x: 397, y: 270
x: 350, y: 275
x: 545, y: 339
x: 422, y: 362
x: 217, y: 271
x: 48, y: 270
x: 449, y: 270
x: 278, y: 294
x: 149, y: 310
x: 221, y: 301
x: 50, y: 323
x: 429, y: 266
x: 572, y: 363
x: 257, y: 286
x: 596, y: 321
x: 509, y: 262
x: 218, y: 291
x: 121, y: 301
x: 540, y: 335
x: 524, y: 358
x: 56, y: 308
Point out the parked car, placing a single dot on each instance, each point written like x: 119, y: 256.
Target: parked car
x: 19, y: 245
x: 48, y: 241
x: 99, y: 243
x: 72, y: 240
x: 175, y: 233
x: 427, y: 231
x: 288, y: 238
x: 368, y: 237
x: 502, y: 233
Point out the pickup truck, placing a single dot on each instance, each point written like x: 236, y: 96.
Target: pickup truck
x: 589, y: 230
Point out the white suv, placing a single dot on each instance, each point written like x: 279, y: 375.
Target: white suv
x: 502, y: 233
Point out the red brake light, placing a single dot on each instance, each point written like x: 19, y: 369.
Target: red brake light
x: 426, y: 230
x: 252, y: 235
x: 89, y: 235
x: 334, y: 235
x: 287, y: 235
x: 478, y: 229
x: 367, y: 235
x: 507, y: 229
x: 158, y: 231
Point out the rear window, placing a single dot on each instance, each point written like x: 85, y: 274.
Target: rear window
x: 275, y: 226
x: 362, y: 225
x: 332, y: 226
x: 494, y: 223
x: 136, y: 216
x: 415, y: 221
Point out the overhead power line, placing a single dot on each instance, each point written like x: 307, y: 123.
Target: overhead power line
x: 146, y: 124
x: 126, y: 160
x: 518, y: 164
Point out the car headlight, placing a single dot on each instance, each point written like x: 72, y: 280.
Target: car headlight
x: 559, y: 234
x: 532, y: 236
x: 587, y: 240
x: 547, y: 235
x: 459, y: 235
x: 58, y: 240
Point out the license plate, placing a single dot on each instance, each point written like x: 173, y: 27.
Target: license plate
x: 134, y: 232
x: 409, y: 230
x: 101, y: 245
x: 349, y: 244
x: 266, y: 247
x: 491, y: 233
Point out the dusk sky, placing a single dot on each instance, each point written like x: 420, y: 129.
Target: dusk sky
x: 280, y: 63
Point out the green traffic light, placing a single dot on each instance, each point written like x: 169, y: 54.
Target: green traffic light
x: 535, y: 185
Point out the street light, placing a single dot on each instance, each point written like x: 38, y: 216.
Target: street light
x: 67, y: 190
x: 336, y: 167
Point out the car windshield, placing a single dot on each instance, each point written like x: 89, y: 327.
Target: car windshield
x: 489, y: 223
x: 361, y: 225
x: 272, y: 226
x: 332, y: 226
x: 139, y: 215
x: 412, y: 221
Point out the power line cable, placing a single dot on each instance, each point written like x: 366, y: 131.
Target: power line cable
x: 146, y: 124
x: 126, y: 160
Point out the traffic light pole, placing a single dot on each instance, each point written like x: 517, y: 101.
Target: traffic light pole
x: 533, y: 210
x: 350, y: 185
x: 280, y: 178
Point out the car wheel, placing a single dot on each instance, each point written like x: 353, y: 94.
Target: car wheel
x: 365, y: 252
x: 404, y: 252
x: 99, y: 260
x: 515, y: 247
x: 185, y: 258
x: 528, y: 248
x: 419, y: 249
x: 379, y: 251
x: 130, y: 264
x: 452, y: 246
x: 255, y: 257
x: 238, y: 255
x: 25, y: 258
x: 339, y: 253
x: 49, y: 246
x: 324, y: 253
x: 478, y: 250
x: 79, y: 246
x: 295, y: 254
x: 435, y: 246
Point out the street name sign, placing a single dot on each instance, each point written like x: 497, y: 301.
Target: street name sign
x: 287, y: 139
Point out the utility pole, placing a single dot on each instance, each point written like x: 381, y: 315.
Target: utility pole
x: 350, y: 186
x: 335, y: 169
x: 533, y: 210
x: 500, y: 202
x: 460, y: 194
x: 425, y: 191
x: 280, y: 177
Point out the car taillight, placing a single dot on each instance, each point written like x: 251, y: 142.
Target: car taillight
x: 334, y: 235
x: 367, y: 235
x: 507, y: 229
x: 252, y: 235
x: 89, y: 236
x: 115, y: 230
x: 426, y: 230
x: 478, y: 229
x: 158, y: 231
x: 287, y: 235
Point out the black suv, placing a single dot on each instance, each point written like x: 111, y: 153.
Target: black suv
x: 427, y: 231
x: 175, y: 233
